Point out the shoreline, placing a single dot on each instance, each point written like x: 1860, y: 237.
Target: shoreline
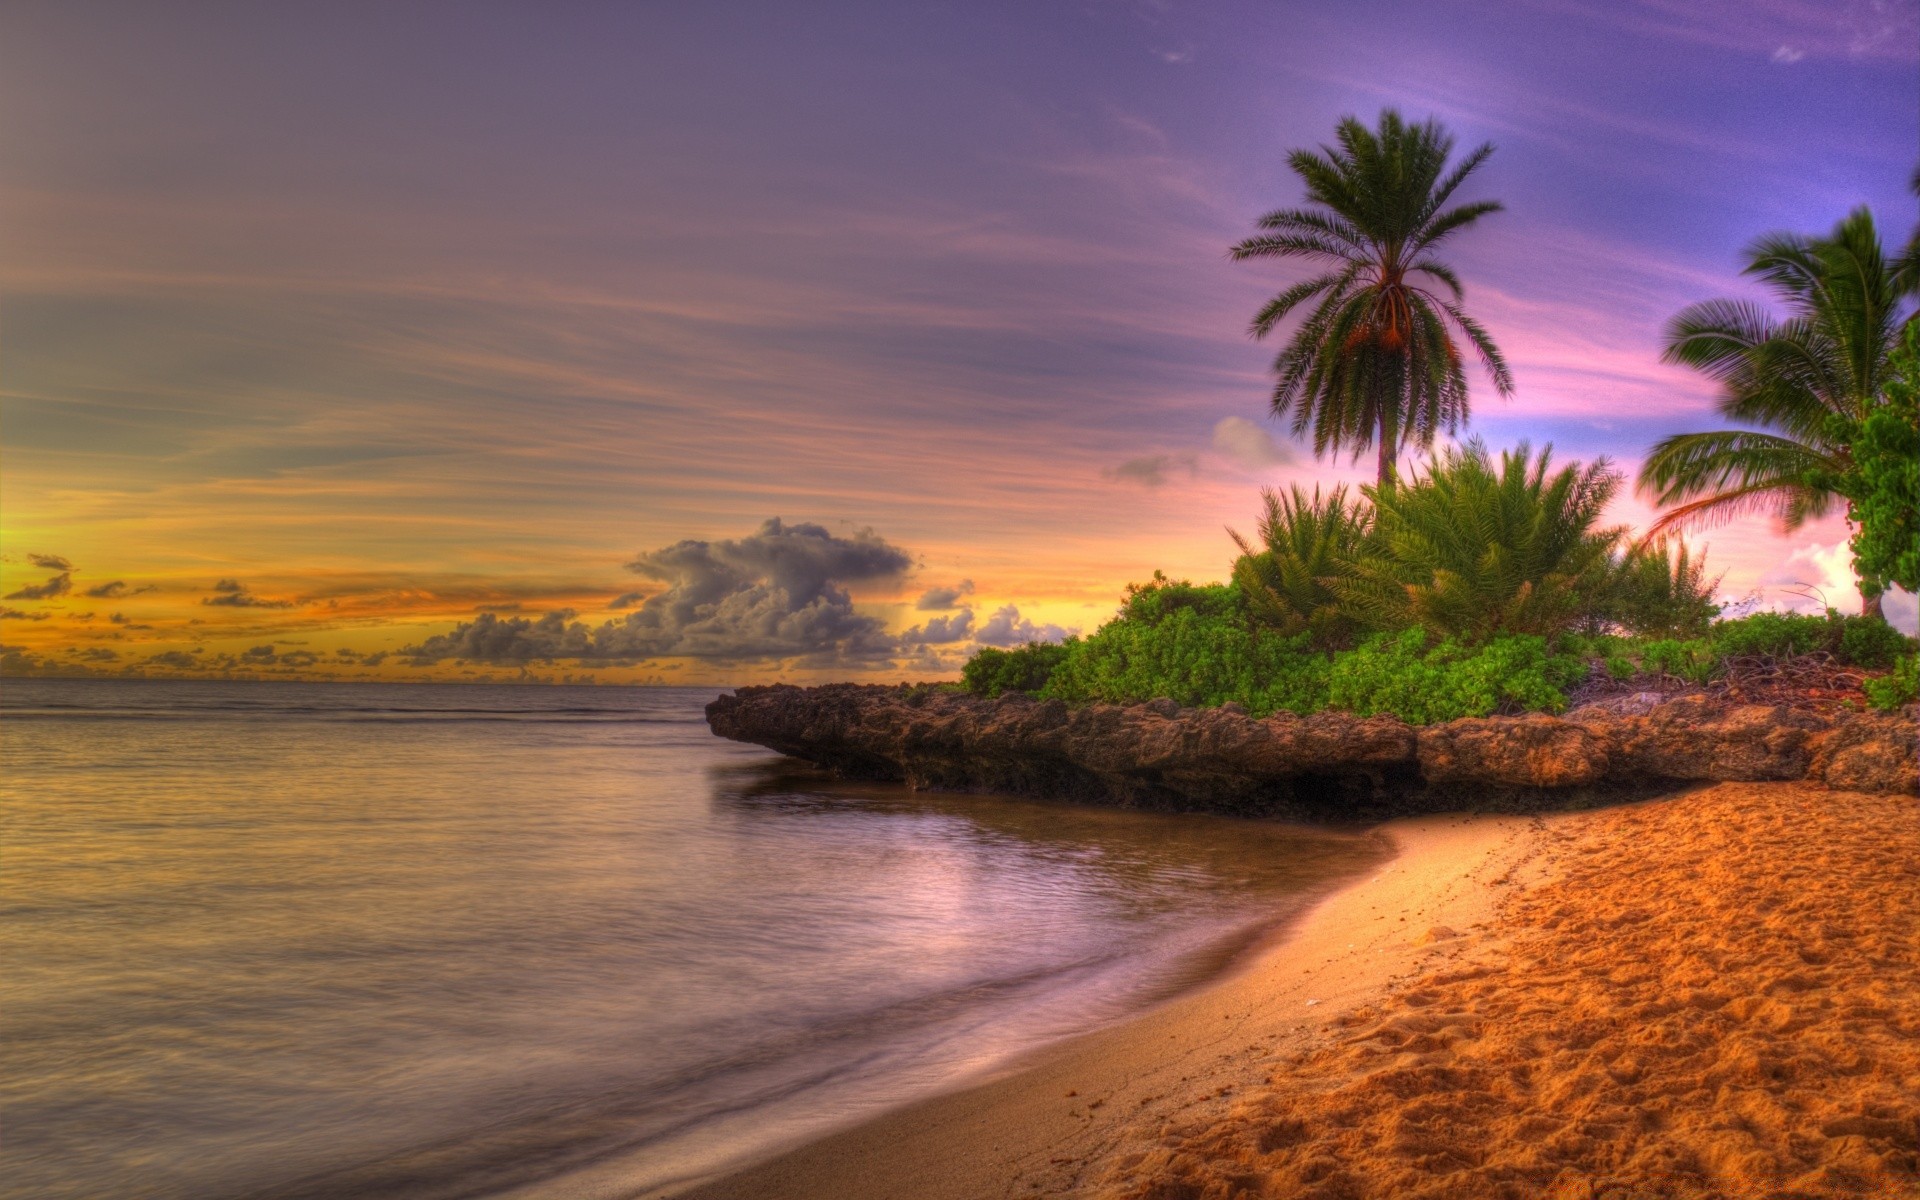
x: 1037, y: 1127
x: 1711, y: 994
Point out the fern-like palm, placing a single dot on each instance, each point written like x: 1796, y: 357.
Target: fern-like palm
x: 1375, y: 363
x: 1307, y: 542
x: 1470, y: 550
x: 1806, y: 382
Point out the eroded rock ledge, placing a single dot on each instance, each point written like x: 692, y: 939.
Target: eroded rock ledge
x: 1159, y: 755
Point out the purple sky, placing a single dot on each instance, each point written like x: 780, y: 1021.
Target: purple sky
x: 392, y: 311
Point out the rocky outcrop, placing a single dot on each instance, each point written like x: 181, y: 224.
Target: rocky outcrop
x: 1159, y: 755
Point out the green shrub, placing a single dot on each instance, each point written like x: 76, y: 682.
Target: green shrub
x: 992, y: 672
x: 1661, y: 590
x: 1777, y: 634
x: 1472, y: 549
x: 1872, y: 643
x: 1402, y: 674
x: 1899, y: 688
x: 1693, y: 660
x: 1192, y: 655
x: 1307, y: 543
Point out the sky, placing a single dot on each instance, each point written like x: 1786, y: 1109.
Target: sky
x: 720, y: 343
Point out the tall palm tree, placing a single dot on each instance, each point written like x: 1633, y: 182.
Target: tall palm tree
x: 1374, y: 363
x: 1811, y: 379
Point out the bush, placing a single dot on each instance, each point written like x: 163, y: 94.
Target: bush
x: 1472, y: 549
x: 1900, y: 688
x: 1663, y: 591
x: 1693, y: 660
x: 1872, y: 643
x: 1778, y: 635
x: 1308, y: 543
x: 992, y: 672
x: 1195, y: 656
x: 1402, y: 675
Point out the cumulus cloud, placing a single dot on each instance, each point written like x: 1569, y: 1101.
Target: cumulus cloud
x: 627, y: 600
x: 1249, y: 444
x: 940, y: 599
x: 183, y: 660
x: 100, y: 654
x: 1152, y: 470
x: 122, y: 620
x: 59, y: 585
x: 1006, y: 627
x: 14, y: 614
x: 940, y: 630
x: 776, y: 593
x: 51, y: 562
x: 231, y: 593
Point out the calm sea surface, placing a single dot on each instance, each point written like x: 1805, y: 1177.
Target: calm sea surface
x: 328, y: 940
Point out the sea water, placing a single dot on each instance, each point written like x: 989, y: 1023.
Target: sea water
x: 288, y: 940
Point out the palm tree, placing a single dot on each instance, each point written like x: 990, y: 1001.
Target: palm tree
x: 1375, y: 363
x: 1811, y: 379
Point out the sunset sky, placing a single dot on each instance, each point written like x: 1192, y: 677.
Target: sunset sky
x: 712, y: 342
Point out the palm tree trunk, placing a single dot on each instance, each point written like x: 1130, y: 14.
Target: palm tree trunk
x: 1387, y: 449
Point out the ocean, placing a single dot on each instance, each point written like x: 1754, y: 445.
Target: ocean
x: 426, y: 942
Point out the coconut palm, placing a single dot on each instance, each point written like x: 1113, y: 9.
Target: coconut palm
x: 1375, y: 364
x: 1808, y: 381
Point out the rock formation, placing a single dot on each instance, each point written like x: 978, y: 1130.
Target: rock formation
x: 1160, y: 755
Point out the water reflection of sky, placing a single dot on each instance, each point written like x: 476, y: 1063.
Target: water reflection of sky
x: 325, y: 940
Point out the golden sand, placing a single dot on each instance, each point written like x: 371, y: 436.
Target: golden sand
x: 1713, y: 995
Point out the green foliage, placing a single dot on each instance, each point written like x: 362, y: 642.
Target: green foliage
x: 1872, y: 643
x: 1886, y: 493
x: 1468, y: 550
x: 1778, y: 635
x: 1808, y: 382
x: 1661, y: 590
x: 1902, y: 687
x: 1418, y: 682
x: 1152, y: 602
x: 991, y: 672
x: 1194, y: 657
x: 1308, y: 540
x: 1375, y: 360
x: 1693, y: 659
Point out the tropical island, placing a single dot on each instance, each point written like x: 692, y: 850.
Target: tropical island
x: 1711, y: 994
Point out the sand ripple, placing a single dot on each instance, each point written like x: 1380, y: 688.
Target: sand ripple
x: 1716, y: 995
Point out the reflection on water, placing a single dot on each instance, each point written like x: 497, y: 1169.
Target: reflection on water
x: 285, y: 940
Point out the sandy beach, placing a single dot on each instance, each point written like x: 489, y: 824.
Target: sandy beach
x: 1716, y: 994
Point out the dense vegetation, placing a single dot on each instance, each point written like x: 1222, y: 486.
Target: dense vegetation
x: 1474, y: 588
x: 1481, y: 586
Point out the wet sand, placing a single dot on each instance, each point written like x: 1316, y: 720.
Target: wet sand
x: 1711, y: 995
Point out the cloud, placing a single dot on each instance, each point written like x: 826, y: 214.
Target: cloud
x: 940, y: 599
x: 100, y: 654
x: 1787, y: 54
x: 1249, y: 444
x: 182, y: 659
x: 121, y: 619
x: 14, y: 614
x: 940, y: 630
x: 259, y: 654
x: 1006, y: 627
x: 1152, y: 470
x: 231, y: 593
x: 774, y: 594
x: 627, y: 600
x: 59, y: 585
x: 51, y: 562
x: 117, y: 589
